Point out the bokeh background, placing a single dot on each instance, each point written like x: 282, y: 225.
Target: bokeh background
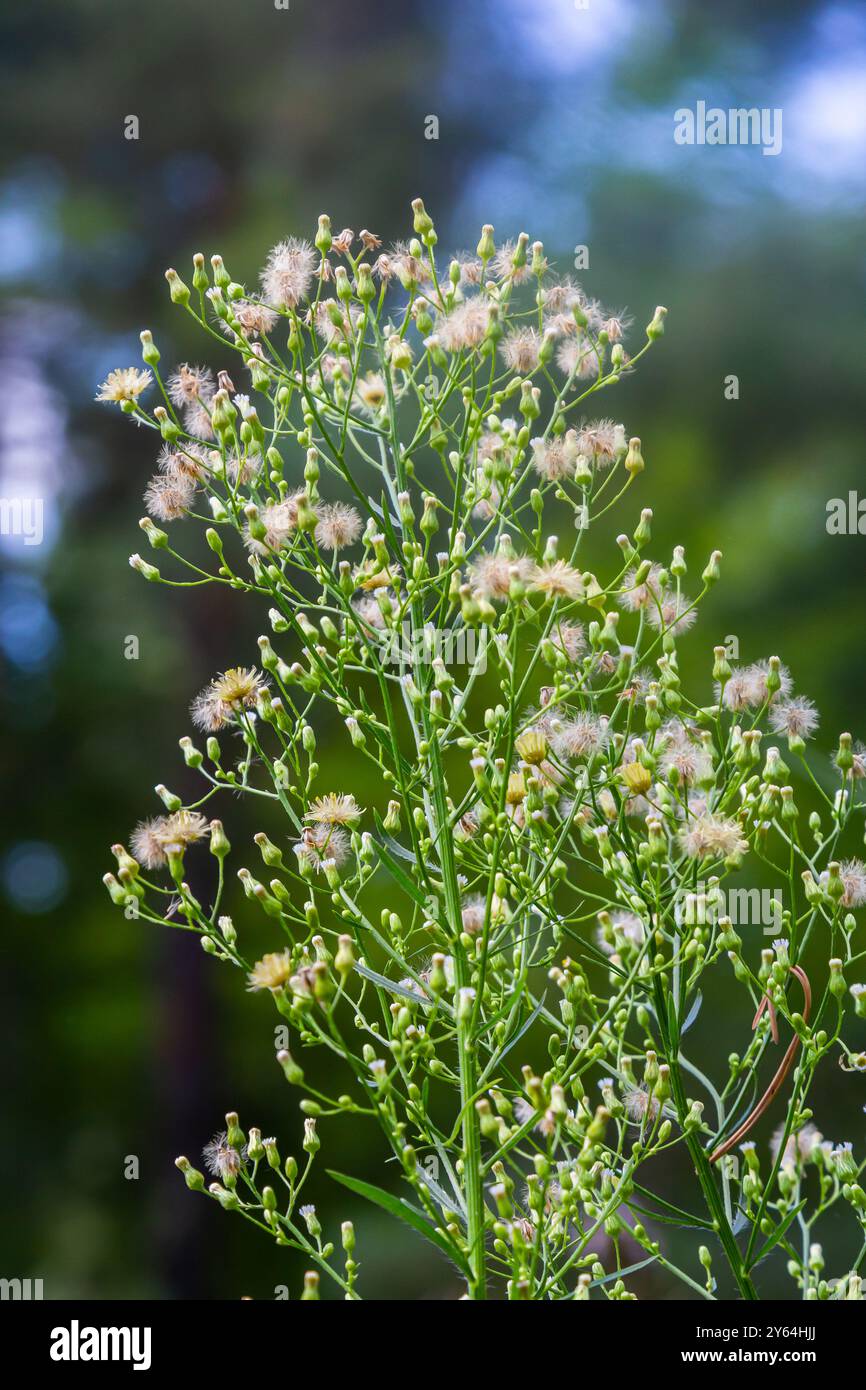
x: 118, y: 1041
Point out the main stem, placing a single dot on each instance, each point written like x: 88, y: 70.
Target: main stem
x: 467, y: 1062
x: 712, y: 1196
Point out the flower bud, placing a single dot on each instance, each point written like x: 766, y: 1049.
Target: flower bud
x: 178, y: 290
x: 836, y: 984
x: 149, y: 572
x: 344, y: 961
x: 324, y: 238
x: 634, y: 461
x: 219, y: 844
x: 312, y: 1142
x: 712, y: 571
x: 486, y: 246
x: 193, y: 1178
x: 656, y: 328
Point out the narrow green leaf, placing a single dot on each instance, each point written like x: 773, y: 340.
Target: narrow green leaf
x: 404, y: 1212
x: 401, y: 991
x: 398, y: 874
x: 778, y: 1233
x: 686, y: 1218
x: 619, y: 1273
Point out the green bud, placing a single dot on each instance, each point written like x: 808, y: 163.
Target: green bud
x: 193, y: 1178
x: 712, y: 571
x: 836, y: 985
x: 178, y: 290
x: 150, y: 572
x: 158, y: 539
x: 656, y: 328
x: 486, y: 246
x: 323, y: 235
x: 634, y: 461
x: 219, y: 845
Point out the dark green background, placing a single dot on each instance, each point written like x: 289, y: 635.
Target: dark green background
x: 119, y: 1041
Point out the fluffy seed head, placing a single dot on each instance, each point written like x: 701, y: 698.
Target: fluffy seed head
x: 602, y: 440
x: 280, y: 520
x: 519, y: 350
x: 672, y: 612
x: 235, y: 689
x: 558, y: 579
x: 339, y: 525
x: 710, y: 837
x: 577, y: 357
x: 562, y: 297
x: 554, y: 459
x: 372, y: 393
x: 491, y: 575
x: 797, y: 717
x: 580, y: 737
x: 636, y: 596
x: 502, y: 264
x: 153, y: 841
x: 288, y: 273
x: 221, y: 1159
x: 684, y: 754
x: 323, y: 841
x: 254, y: 319
x: 189, y: 385
x: 627, y: 924
x: 641, y: 1106
x: 168, y: 497
x: 747, y: 686
x: 465, y: 326
x: 184, y: 461
x: 853, y: 875
x: 801, y: 1145
x: 569, y: 638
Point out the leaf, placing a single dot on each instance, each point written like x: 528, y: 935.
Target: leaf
x: 399, y: 875
x: 402, y: 991
x: 671, y: 1220
x: 386, y: 515
x: 404, y: 1212
x: 686, y: 1217
x: 396, y: 848
x: 502, y: 1012
x: 692, y: 1013
x: 449, y: 1203
x: 619, y: 1273
x: 779, y: 1232
x: 519, y: 1034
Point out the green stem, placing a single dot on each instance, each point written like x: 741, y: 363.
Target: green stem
x: 467, y: 1060
x: 712, y: 1196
